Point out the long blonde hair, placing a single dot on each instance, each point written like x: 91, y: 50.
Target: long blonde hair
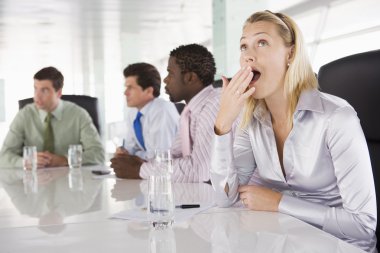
x: 299, y: 75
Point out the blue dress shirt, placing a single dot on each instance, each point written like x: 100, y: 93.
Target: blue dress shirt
x: 159, y: 122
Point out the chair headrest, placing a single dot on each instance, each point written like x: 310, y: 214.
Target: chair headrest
x: 356, y: 78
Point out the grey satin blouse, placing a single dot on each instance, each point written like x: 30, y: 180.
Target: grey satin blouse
x: 328, y: 181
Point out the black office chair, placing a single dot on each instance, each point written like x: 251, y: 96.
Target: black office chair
x: 218, y: 83
x: 356, y: 78
x: 90, y: 104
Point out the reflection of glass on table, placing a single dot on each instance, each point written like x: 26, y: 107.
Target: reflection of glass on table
x: 30, y: 181
x: 75, y: 180
x: 162, y: 240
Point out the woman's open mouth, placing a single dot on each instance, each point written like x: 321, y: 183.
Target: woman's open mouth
x: 256, y: 76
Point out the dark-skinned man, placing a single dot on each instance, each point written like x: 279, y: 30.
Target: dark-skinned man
x: 191, y: 70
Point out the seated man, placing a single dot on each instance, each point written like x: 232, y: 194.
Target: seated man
x: 51, y: 125
x: 191, y: 70
x: 152, y: 122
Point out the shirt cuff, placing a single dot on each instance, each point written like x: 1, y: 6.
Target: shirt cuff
x: 145, y: 170
x: 222, y: 154
x: 304, y: 210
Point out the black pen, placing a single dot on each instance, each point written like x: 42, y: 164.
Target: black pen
x: 188, y: 206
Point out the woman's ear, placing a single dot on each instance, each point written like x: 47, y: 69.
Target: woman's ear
x: 290, y: 54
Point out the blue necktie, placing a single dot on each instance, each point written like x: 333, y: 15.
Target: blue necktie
x: 138, y: 129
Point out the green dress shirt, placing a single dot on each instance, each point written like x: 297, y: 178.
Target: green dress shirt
x: 71, y: 125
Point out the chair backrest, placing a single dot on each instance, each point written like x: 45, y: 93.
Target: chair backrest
x: 356, y: 78
x: 218, y: 83
x: 90, y: 104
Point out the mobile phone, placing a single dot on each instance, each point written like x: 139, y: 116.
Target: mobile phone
x: 101, y: 172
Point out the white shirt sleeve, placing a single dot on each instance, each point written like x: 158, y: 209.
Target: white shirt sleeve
x: 231, y: 168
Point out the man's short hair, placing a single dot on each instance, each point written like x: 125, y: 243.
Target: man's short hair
x: 146, y: 76
x: 196, y: 58
x: 52, y: 74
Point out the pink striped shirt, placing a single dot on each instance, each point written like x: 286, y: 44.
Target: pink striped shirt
x: 196, y: 167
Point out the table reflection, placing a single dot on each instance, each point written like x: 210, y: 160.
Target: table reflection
x: 75, y: 179
x: 50, y: 195
x: 162, y: 240
x: 30, y: 181
x: 130, y: 190
x: 176, y: 236
x: 242, y: 230
x: 71, y: 209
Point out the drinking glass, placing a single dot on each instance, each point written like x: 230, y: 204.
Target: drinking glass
x: 160, y: 200
x: 163, y: 160
x: 162, y: 240
x: 30, y: 158
x: 75, y: 156
x: 75, y: 180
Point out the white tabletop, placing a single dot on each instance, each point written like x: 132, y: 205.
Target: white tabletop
x: 60, y: 215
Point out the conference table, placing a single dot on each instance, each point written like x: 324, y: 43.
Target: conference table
x: 61, y: 210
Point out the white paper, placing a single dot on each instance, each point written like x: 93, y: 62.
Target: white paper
x: 180, y: 215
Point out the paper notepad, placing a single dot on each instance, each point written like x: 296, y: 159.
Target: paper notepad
x: 180, y: 215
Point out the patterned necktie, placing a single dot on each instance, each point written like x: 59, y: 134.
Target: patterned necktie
x: 48, y: 134
x: 185, y: 131
x: 138, y: 129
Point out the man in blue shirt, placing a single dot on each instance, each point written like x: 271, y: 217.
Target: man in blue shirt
x: 152, y: 122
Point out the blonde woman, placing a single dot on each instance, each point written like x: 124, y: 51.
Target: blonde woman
x: 296, y: 151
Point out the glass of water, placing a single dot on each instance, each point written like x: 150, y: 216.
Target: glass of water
x: 160, y: 200
x: 163, y: 160
x: 75, y: 156
x: 29, y: 158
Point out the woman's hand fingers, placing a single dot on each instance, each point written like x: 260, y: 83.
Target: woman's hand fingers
x: 225, y: 82
x: 234, y: 94
x: 240, y: 80
x: 260, y: 198
x: 249, y: 92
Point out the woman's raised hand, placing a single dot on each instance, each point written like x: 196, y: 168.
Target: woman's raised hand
x: 234, y: 95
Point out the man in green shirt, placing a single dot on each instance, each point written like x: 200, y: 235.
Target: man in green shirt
x: 51, y: 125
